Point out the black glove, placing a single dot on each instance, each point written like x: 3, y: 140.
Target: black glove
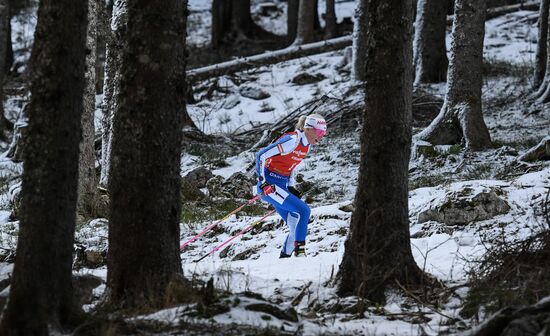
x: 295, y: 192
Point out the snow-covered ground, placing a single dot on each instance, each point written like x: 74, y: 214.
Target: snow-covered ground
x: 510, y: 39
x: 442, y: 250
x: 251, y: 263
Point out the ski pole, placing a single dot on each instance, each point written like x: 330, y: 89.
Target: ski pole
x: 211, y: 226
x: 243, y: 231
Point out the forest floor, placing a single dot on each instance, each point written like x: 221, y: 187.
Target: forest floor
x: 461, y: 204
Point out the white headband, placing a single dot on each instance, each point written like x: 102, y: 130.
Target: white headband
x: 317, y: 123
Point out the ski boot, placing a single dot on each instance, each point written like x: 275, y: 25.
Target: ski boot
x: 284, y: 255
x: 299, y: 249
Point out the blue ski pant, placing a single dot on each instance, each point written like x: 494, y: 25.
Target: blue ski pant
x: 291, y: 208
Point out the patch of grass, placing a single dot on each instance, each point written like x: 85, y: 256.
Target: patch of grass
x: 209, y: 155
x: 193, y: 212
x: 438, y: 154
x: 427, y: 181
x: 427, y: 151
x: 479, y: 172
x: 454, y: 150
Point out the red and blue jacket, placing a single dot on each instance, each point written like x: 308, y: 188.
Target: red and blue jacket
x: 283, y: 156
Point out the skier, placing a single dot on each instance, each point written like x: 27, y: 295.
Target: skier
x: 276, y: 170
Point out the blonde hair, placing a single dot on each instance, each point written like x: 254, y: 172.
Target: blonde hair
x: 302, y: 120
x: 300, y: 123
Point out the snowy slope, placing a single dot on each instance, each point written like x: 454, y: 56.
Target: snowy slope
x: 444, y: 251
x: 251, y: 263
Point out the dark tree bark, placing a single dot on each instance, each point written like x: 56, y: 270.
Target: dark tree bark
x: 359, y: 50
x: 378, y: 249
x: 87, y: 180
x: 115, y: 40
x: 232, y: 22
x: 9, y: 52
x: 292, y: 19
x: 6, y: 24
x: 542, y: 95
x: 41, y: 289
x: 461, y: 116
x: 330, y: 19
x: 5, y: 41
x: 306, y: 22
x: 430, y: 51
x: 104, y: 13
x: 241, y: 16
x: 145, y: 208
x: 5, y: 38
x: 316, y: 22
x: 541, y: 53
x: 221, y: 21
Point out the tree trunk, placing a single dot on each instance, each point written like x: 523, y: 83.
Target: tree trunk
x: 330, y: 19
x: 8, y: 62
x: 316, y: 22
x: 41, y: 289
x: 145, y: 178
x: 430, y: 51
x: 104, y: 13
x: 5, y: 40
x: 378, y: 248
x: 232, y: 22
x: 543, y: 93
x: 115, y: 42
x: 271, y: 57
x: 221, y: 21
x: 242, y: 20
x: 541, y: 54
x: 306, y: 26
x: 359, y: 50
x: 87, y: 181
x: 292, y: 19
x: 461, y: 116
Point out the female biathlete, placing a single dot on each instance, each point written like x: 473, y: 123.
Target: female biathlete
x: 276, y: 170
